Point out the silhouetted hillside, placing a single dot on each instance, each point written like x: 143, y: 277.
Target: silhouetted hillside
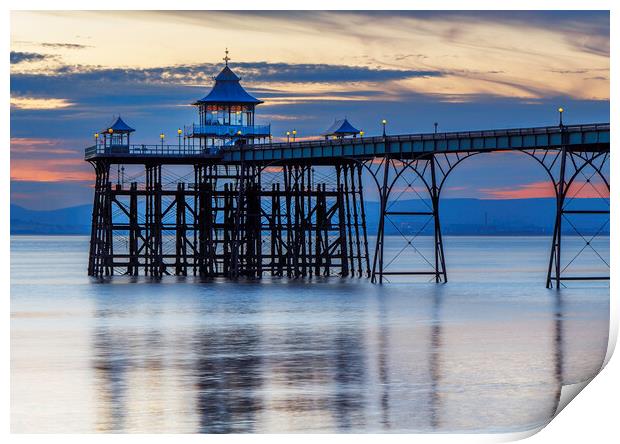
x: 72, y: 220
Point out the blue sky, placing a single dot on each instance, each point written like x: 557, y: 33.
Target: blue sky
x: 71, y: 71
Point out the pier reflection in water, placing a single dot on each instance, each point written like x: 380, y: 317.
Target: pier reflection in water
x: 343, y: 356
x: 358, y: 360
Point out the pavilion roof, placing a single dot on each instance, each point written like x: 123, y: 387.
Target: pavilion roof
x: 119, y: 126
x: 341, y: 128
x: 227, y: 89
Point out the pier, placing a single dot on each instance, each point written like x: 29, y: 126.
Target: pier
x: 241, y: 205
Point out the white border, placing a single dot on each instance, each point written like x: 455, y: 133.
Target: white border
x: 593, y: 417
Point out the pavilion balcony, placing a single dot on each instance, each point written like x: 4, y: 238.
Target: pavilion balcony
x: 154, y: 150
x: 219, y: 130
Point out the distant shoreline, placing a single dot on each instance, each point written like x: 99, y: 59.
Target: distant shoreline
x: 459, y: 217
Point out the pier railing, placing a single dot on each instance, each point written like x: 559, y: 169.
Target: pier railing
x: 574, y: 136
x: 546, y: 130
x: 157, y: 150
x: 489, y: 140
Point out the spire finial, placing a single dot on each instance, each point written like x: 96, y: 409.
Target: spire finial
x: 226, y: 58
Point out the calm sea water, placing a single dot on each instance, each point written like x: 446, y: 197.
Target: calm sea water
x: 487, y: 352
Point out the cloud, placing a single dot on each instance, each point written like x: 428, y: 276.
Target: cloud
x: 50, y: 170
x: 317, y: 73
x: 34, y: 103
x: 65, y: 45
x: 25, y: 146
x: 47, y: 160
x: 578, y: 189
x: 20, y: 57
x: 527, y: 191
x: 252, y: 72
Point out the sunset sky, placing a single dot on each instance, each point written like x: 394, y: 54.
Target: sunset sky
x: 72, y: 71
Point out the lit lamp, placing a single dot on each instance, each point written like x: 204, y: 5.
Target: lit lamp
x: 179, y: 132
x: 561, y: 111
x: 239, y: 133
x: 288, y: 136
x: 96, y: 138
x: 384, y: 122
x: 361, y: 133
x: 162, y: 136
x: 294, y: 134
x: 110, y: 130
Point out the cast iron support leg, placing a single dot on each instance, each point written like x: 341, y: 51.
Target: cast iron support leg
x: 378, y: 257
x: 440, y: 265
x: 556, y: 247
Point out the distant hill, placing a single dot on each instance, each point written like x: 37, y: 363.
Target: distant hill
x: 72, y: 220
x: 458, y: 217
x: 491, y: 217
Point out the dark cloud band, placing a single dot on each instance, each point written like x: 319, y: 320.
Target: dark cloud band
x: 19, y: 57
x: 257, y: 72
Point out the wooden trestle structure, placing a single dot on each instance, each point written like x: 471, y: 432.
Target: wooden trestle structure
x: 231, y: 221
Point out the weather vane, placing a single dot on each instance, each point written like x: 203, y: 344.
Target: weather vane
x: 226, y: 59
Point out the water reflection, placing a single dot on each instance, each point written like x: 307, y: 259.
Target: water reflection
x: 263, y: 365
x: 558, y: 349
x: 486, y: 353
x: 111, y: 364
x: 348, y: 357
x: 228, y: 379
x: 384, y: 374
x: 434, y: 358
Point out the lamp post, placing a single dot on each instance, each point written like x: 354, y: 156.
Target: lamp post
x: 288, y: 137
x: 436, y: 125
x: 96, y: 138
x: 162, y: 137
x: 361, y: 134
x: 294, y: 135
x: 179, y: 132
x: 561, y: 111
x: 384, y: 122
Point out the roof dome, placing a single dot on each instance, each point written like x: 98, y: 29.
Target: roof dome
x: 227, y: 89
x: 341, y: 128
x: 119, y: 126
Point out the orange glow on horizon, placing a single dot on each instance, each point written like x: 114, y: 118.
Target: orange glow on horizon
x: 51, y: 170
x: 537, y: 190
